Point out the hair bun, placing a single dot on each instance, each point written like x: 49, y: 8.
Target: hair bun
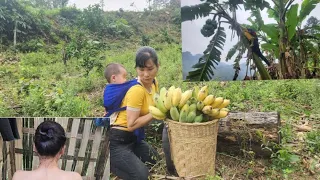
x: 47, y: 134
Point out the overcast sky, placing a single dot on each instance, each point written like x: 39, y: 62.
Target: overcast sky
x: 111, y: 5
x: 194, y: 42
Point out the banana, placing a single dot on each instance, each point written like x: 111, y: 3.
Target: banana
x: 156, y: 113
x: 221, y: 114
x: 185, y: 97
x: 185, y: 108
x: 183, y: 116
x: 163, y: 92
x: 191, y: 116
x: 155, y: 98
x: 224, y: 104
x: 158, y: 118
x: 198, y: 119
x: 214, y: 112
x: 217, y: 102
x: 172, y: 88
x: 193, y: 107
x: 195, y: 91
x: 207, y: 109
x: 203, y: 93
x: 160, y: 105
x: 174, y: 113
x: 208, y: 100
x: 168, y: 100
x: 224, y: 109
x: 176, y: 97
x: 200, y: 105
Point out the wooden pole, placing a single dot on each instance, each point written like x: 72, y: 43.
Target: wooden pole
x: 12, y: 157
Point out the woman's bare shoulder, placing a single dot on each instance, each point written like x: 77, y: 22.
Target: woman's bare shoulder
x: 74, y: 175
x: 19, y: 174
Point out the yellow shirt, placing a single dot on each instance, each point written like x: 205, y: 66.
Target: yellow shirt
x: 137, y: 98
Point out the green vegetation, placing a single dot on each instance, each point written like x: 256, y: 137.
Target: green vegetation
x: 55, y: 68
x: 296, y: 47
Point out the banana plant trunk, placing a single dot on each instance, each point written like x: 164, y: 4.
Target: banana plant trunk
x: 283, y: 41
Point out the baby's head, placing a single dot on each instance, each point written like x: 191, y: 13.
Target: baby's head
x: 115, y: 73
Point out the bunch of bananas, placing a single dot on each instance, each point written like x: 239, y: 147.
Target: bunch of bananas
x: 191, y: 106
x: 208, y: 29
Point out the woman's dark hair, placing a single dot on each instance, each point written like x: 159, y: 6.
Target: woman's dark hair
x: 49, y: 138
x: 144, y: 54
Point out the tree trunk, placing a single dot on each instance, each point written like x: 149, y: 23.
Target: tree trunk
x: 248, y: 131
x: 15, y: 34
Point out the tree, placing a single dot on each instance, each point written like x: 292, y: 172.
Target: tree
x: 222, y: 13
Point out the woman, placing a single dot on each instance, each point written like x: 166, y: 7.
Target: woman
x: 49, y: 143
x: 127, y: 155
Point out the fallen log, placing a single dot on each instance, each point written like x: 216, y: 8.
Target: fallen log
x: 248, y: 131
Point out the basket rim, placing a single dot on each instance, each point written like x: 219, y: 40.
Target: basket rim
x: 192, y: 124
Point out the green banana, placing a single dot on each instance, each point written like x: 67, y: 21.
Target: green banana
x: 200, y: 105
x: 198, y: 119
x: 192, y: 107
x: 160, y: 105
x: 183, y: 116
x: 174, y: 113
x: 191, y: 116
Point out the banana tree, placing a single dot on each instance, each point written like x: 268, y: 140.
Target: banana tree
x: 282, y: 36
x: 222, y: 13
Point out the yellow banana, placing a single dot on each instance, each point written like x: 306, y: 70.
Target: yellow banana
x: 191, y: 116
x: 217, y: 102
x: 156, y: 113
x: 172, y: 88
x: 200, y: 105
x: 158, y: 118
x: 176, y: 96
x: 183, y: 116
x: 208, y: 100
x: 214, y: 112
x: 224, y: 109
x: 174, y: 113
x: 222, y: 114
x: 207, y: 109
x: 198, y: 119
x: 168, y: 100
x: 224, y: 104
x: 155, y: 98
x: 163, y: 92
x: 185, y: 97
x: 185, y: 108
x: 203, y: 93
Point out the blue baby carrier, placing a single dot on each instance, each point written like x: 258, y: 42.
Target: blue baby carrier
x: 112, y: 99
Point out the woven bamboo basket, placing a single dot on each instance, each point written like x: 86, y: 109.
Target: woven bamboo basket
x: 193, y: 147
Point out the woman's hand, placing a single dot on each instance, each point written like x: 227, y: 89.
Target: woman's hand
x: 136, y: 121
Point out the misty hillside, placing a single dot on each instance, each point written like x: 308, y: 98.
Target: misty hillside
x: 223, y: 71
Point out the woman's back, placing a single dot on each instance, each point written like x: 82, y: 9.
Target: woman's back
x: 46, y: 174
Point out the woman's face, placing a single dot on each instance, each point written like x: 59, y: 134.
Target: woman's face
x: 148, y: 73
